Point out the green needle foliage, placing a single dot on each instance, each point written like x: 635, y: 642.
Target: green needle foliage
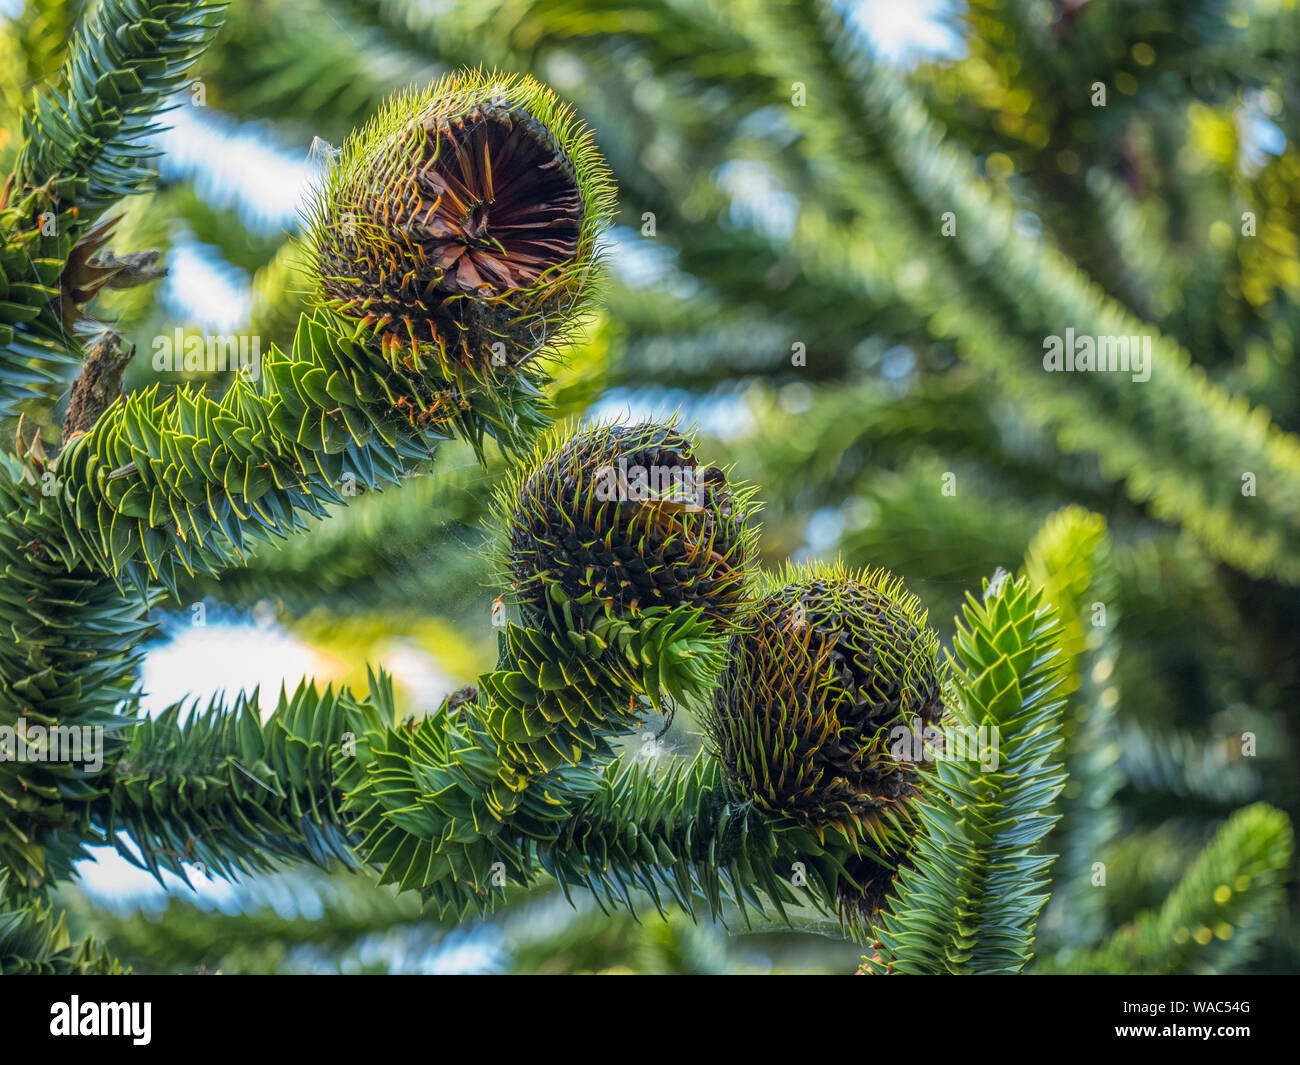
x: 683, y: 834
x: 127, y: 58
x: 35, y: 242
x: 298, y: 913
x: 627, y: 590
x: 35, y: 942
x: 788, y: 191
x: 82, y: 150
x: 230, y: 792
x: 68, y: 667
x: 180, y: 483
x: 1216, y: 916
x: 971, y: 902
x: 1069, y: 560
x: 375, y: 552
x: 184, y: 484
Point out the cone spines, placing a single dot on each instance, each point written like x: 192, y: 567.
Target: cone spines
x: 629, y: 558
x: 806, y: 718
x: 827, y: 668
x: 626, y: 516
x: 465, y: 219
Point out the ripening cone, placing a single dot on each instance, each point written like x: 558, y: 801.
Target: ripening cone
x: 828, y: 682
x: 465, y: 218
x: 628, y: 517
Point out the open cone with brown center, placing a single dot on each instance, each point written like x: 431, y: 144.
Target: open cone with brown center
x: 463, y: 221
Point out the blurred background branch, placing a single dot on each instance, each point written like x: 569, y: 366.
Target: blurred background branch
x: 782, y: 274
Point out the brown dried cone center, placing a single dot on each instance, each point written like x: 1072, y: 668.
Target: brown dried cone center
x: 626, y: 514
x: 488, y: 205
x: 494, y: 206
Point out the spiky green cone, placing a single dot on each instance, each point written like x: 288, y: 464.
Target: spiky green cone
x: 464, y: 219
x: 628, y: 518
x: 630, y: 561
x: 831, y: 676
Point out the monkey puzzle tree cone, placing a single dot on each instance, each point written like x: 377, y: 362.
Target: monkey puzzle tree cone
x: 828, y: 682
x: 465, y: 219
x: 627, y: 517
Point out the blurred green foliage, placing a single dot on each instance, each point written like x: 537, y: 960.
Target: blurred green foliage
x: 784, y: 275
